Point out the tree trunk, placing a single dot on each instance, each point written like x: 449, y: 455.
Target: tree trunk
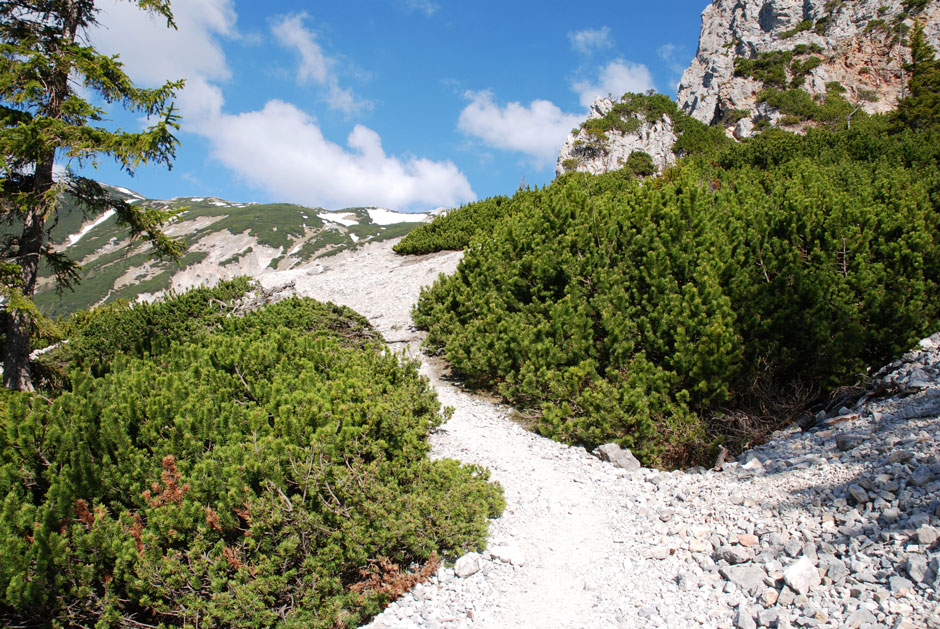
x: 19, y: 324
x: 16, y: 352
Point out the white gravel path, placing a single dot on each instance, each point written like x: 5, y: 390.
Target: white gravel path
x: 585, y: 544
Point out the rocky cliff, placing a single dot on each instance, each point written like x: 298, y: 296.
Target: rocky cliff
x: 788, y: 63
x: 748, y: 48
x: 604, y: 142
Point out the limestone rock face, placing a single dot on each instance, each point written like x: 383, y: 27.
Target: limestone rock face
x: 860, y: 42
x: 584, y: 152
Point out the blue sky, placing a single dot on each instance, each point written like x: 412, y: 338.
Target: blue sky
x: 406, y: 104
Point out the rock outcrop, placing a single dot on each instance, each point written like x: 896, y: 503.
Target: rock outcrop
x: 790, y: 63
x: 858, y: 44
x: 599, y: 151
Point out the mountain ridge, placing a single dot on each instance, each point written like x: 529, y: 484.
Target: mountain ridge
x: 223, y: 238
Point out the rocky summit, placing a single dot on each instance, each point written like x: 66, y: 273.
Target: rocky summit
x: 765, y: 63
x: 856, y: 44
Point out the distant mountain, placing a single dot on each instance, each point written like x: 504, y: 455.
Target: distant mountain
x: 223, y: 239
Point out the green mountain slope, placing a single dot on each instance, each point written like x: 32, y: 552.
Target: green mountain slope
x: 223, y: 239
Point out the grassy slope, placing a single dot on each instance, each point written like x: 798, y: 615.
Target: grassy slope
x: 276, y: 225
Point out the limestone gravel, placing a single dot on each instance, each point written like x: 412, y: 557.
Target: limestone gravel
x: 834, y: 526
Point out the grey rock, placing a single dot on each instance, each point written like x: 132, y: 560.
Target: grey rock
x: 709, y: 88
x: 921, y: 475
x: 621, y: 457
x: 793, y: 547
x: 861, y: 618
x: 917, y: 568
x: 858, y: 493
x: 899, y: 584
x: 834, y: 568
x: 735, y: 554
x: 749, y: 578
x: 583, y: 152
x: 744, y: 620
x: 900, y: 456
x: 769, y: 597
x: 917, y: 520
x: 802, y: 575
x: 467, y: 565
x: 847, y: 442
x: 891, y: 515
x: 768, y: 617
x: 754, y: 466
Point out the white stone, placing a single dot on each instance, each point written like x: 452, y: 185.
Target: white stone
x: 467, y: 565
x: 802, y: 575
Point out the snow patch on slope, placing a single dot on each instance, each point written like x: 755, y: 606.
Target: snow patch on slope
x: 74, y: 238
x: 129, y: 193
x: 346, y: 220
x: 382, y: 216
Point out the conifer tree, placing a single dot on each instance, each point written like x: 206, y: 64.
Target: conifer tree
x: 47, y: 67
x: 920, y: 108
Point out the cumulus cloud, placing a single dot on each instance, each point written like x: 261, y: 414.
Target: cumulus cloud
x: 536, y: 130
x: 315, y: 66
x: 281, y: 149
x: 589, y: 40
x: 153, y: 53
x: 616, y: 78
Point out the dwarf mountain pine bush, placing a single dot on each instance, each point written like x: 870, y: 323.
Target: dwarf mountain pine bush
x: 745, y: 282
x: 264, y: 470
x: 453, y: 230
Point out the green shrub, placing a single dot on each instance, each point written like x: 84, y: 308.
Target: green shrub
x: 641, y: 164
x: 780, y: 69
x: 141, y: 328
x: 913, y: 6
x: 275, y: 472
x: 805, y: 25
x: 746, y: 283
x: 770, y: 68
x: 794, y: 102
x: 734, y: 115
x: 454, y: 229
x: 798, y: 105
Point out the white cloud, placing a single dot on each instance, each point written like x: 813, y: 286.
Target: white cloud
x: 315, y: 67
x: 291, y: 33
x: 152, y: 53
x: 424, y: 6
x: 536, y: 130
x: 616, y: 78
x: 282, y: 150
x: 279, y: 149
x: 590, y: 40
